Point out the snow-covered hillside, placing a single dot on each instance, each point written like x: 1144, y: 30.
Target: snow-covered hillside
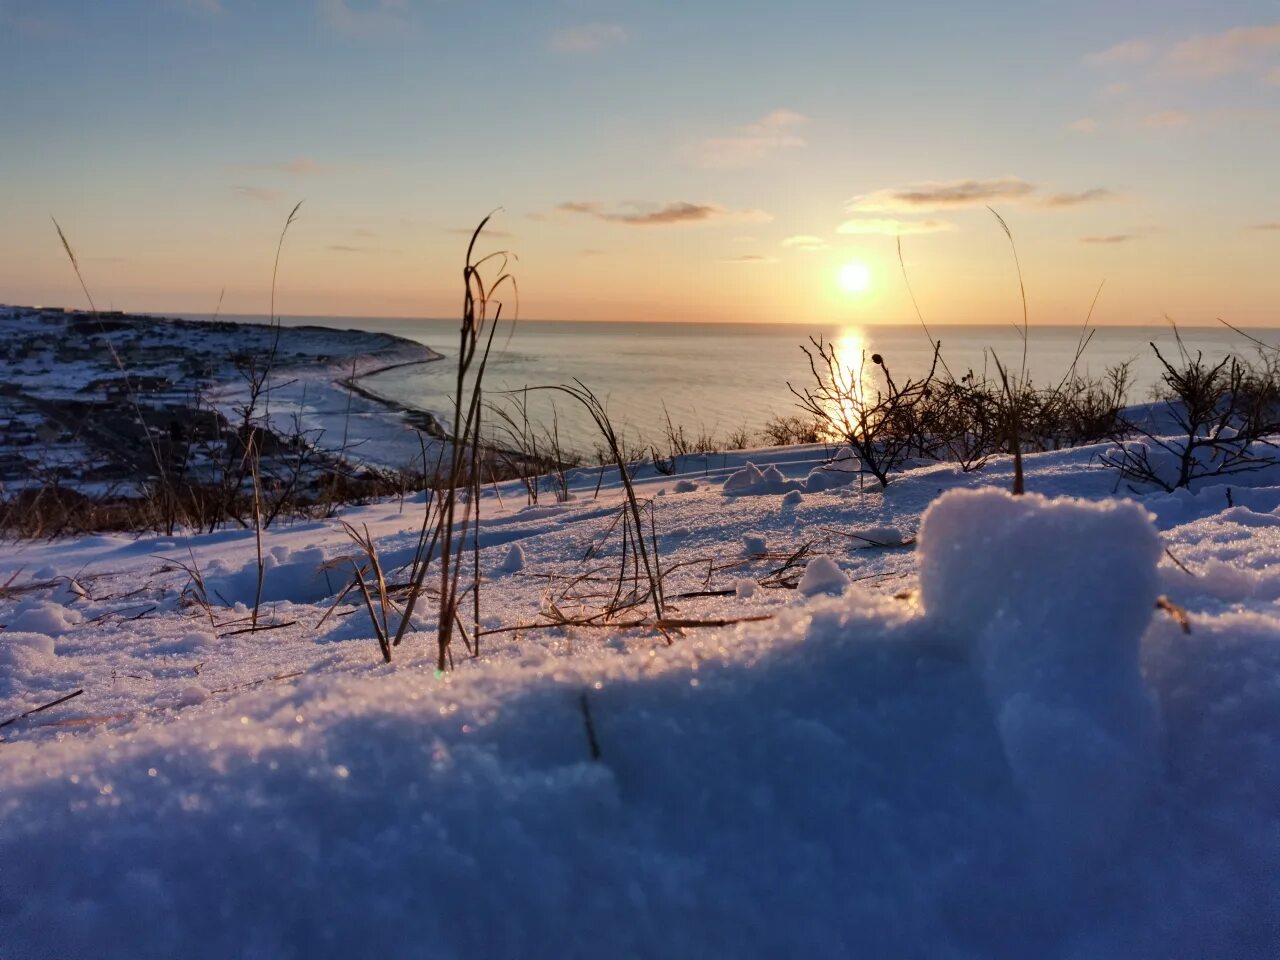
x: 969, y: 731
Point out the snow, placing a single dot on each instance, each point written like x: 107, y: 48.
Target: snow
x: 984, y: 743
x: 1060, y: 666
x: 822, y: 575
x: 43, y: 616
x: 883, y: 535
x: 513, y: 562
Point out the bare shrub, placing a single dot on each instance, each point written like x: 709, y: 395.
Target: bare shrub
x: 883, y: 423
x: 784, y: 430
x: 1224, y: 417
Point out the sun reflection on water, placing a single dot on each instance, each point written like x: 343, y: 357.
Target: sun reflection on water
x: 855, y: 375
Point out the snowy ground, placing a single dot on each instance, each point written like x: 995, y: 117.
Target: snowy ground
x: 968, y: 733
x: 68, y: 414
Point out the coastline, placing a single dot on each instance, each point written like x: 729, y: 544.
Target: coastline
x: 85, y: 394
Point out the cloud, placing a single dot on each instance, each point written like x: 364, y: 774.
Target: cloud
x: 364, y: 18
x: 940, y: 195
x: 297, y: 167
x: 651, y: 214
x: 1232, y: 51
x: 753, y: 143
x: 1130, y: 51
x: 804, y: 241
x: 749, y: 258
x: 591, y: 252
x: 587, y: 38
x: 301, y: 166
x: 1265, y: 226
x: 489, y: 232
x: 1111, y: 238
x: 1166, y: 119
x: 1249, y: 49
x: 890, y: 227
x: 1075, y: 199
x: 958, y: 195
x: 264, y: 194
x: 681, y: 212
x: 347, y: 248
x: 1084, y: 125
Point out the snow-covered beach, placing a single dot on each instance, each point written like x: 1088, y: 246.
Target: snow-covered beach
x: 72, y: 414
x: 963, y: 729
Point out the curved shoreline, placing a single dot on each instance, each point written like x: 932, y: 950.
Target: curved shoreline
x: 422, y: 420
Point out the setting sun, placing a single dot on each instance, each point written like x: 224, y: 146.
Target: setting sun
x: 855, y: 278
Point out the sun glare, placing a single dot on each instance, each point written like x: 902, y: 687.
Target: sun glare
x: 855, y: 278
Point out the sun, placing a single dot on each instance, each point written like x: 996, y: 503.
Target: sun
x: 855, y: 278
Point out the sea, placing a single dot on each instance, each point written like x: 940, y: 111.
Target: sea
x: 718, y: 378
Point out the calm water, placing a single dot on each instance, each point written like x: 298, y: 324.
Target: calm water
x: 720, y: 377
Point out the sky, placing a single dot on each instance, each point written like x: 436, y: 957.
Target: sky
x: 647, y: 161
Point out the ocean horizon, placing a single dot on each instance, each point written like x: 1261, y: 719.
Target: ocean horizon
x: 716, y: 378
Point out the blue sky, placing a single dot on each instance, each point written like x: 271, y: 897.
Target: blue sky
x: 652, y: 160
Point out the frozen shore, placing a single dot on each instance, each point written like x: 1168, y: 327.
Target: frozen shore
x: 72, y: 416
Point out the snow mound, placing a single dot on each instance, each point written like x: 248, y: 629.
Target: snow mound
x: 843, y: 469
x: 299, y: 576
x: 822, y: 576
x: 686, y: 486
x: 1050, y: 599
x: 44, y: 616
x: 883, y: 536
x: 753, y: 544
x: 513, y: 562
x: 793, y: 499
x: 751, y: 481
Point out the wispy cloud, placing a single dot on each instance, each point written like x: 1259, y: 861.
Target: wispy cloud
x: 1265, y: 226
x: 587, y: 37
x: 1084, y: 125
x: 654, y: 215
x: 804, y: 241
x: 1128, y: 52
x: 1111, y: 238
x: 961, y: 194
x: 489, y: 232
x: 249, y: 192
x: 749, y: 258
x: 1166, y: 119
x: 1250, y: 49
x: 753, y: 143
x: 940, y: 195
x: 296, y: 167
x: 1232, y: 51
x: 348, y: 248
x: 892, y: 227
x: 1076, y: 199
x: 365, y: 19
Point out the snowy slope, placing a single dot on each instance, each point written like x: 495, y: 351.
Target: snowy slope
x: 974, y: 736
